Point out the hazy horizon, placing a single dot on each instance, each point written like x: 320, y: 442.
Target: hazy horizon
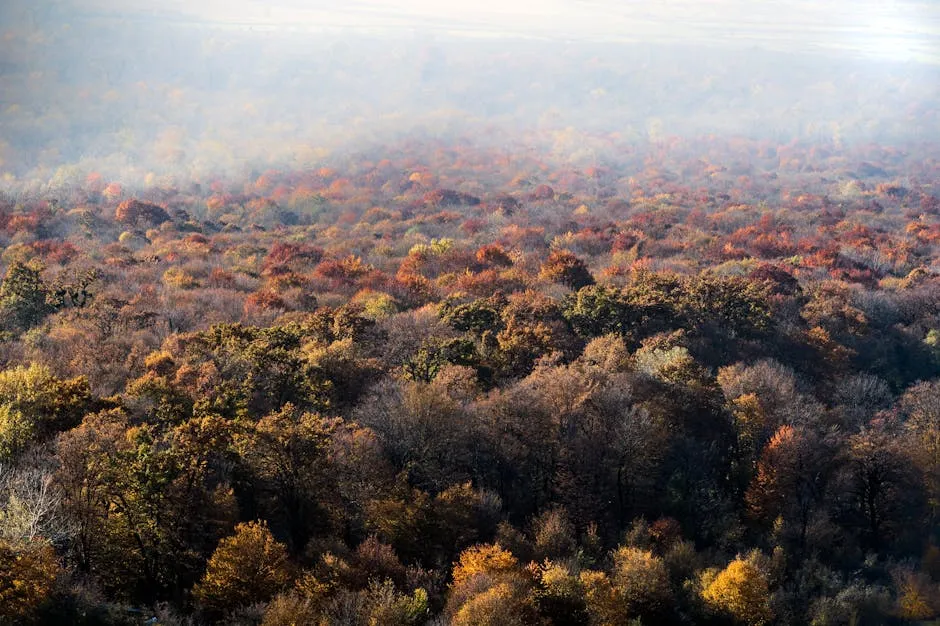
x: 905, y: 30
x: 136, y: 87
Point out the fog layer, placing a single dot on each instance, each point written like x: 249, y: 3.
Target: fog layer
x: 127, y: 90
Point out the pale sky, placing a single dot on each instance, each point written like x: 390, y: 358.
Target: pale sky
x: 889, y: 28
x: 916, y: 16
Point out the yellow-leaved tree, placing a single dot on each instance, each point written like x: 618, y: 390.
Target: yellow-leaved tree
x: 642, y: 580
x: 27, y: 574
x: 489, y: 589
x: 503, y: 604
x: 250, y: 566
x: 741, y: 591
x: 483, y: 559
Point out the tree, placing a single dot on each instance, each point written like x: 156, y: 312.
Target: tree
x: 607, y: 352
x: 433, y: 355
x: 489, y: 588
x: 17, y: 433
x: 147, y: 507
x: 490, y: 559
x: 83, y: 476
x: 599, y: 310
x: 762, y: 397
x: 791, y: 479
x: 386, y: 605
x: 290, y: 609
x: 134, y: 211
x: 503, y: 604
x: 460, y: 516
x: 564, y: 267
x: 860, y: 397
x: 249, y: 566
x: 882, y: 493
x: 30, y: 504
x: 723, y: 311
x: 240, y: 370
x: 920, y: 407
x: 520, y: 447
x: 605, y: 606
x: 560, y: 594
x: 27, y: 574
x: 554, y: 535
x: 477, y: 316
x: 23, y: 298
x: 741, y: 591
x: 532, y: 327
x: 361, y: 470
x: 918, y: 597
x: 856, y: 603
x: 287, y: 453
x: 73, y: 290
x: 642, y: 581
x: 49, y: 404
x: 424, y: 429
x: 403, y: 518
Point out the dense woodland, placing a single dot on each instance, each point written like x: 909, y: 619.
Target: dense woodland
x: 690, y: 382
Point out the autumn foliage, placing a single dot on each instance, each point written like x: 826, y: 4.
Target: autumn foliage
x: 683, y: 381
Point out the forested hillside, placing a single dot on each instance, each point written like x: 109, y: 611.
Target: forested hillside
x: 687, y: 381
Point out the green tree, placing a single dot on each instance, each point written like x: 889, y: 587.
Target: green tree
x: 23, y: 298
x: 435, y: 354
x: 244, y: 370
x: 145, y: 505
x: 599, y: 310
x: 477, y: 316
x: 287, y: 453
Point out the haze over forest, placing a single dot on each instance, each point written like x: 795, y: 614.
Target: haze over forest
x: 193, y: 89
x: 478, y: 313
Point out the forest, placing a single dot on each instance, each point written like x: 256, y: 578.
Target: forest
x: 443, y: 382
x: 469, y: 314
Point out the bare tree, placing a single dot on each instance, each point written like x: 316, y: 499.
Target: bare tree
x: 30, y: 502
